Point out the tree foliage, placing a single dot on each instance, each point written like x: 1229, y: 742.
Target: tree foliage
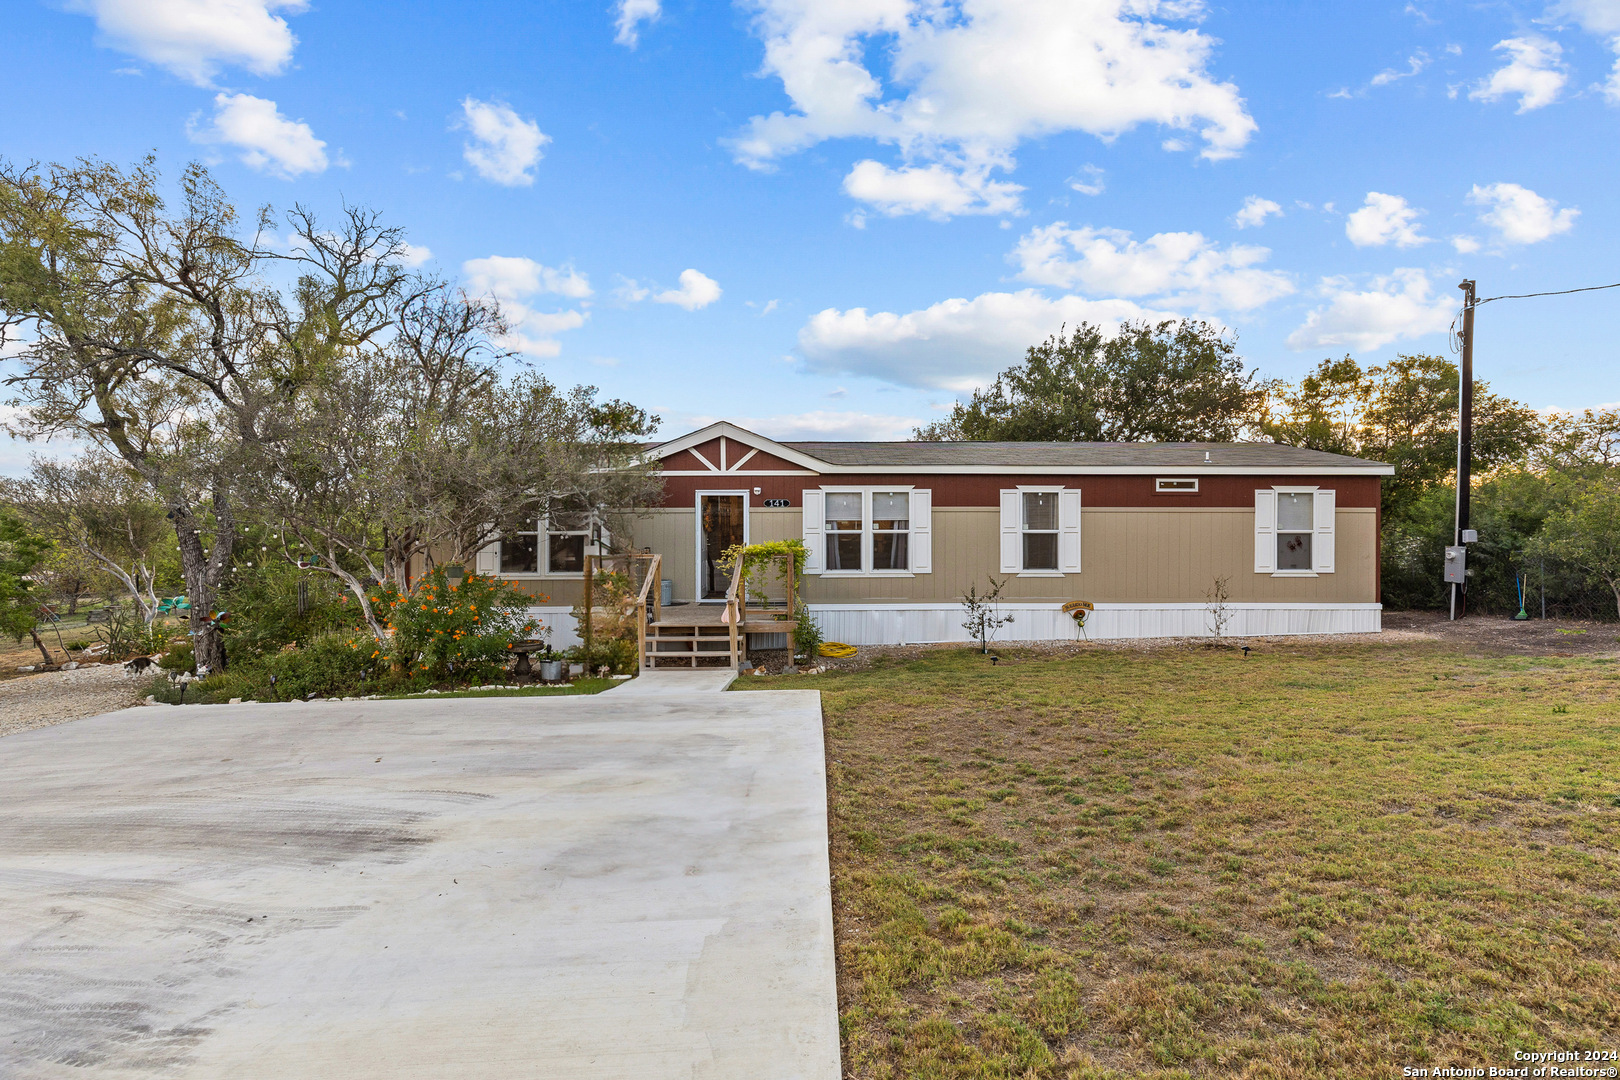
x: 1174, y: 381
x: 21, y: 551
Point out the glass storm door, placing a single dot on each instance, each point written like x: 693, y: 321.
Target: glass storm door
x: 720, y: 524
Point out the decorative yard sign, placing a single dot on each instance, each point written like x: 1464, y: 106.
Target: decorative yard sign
x: 1078, y: 610
x: 778, y: 502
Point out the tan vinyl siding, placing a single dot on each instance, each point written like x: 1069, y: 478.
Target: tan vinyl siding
x: 1129, y: 555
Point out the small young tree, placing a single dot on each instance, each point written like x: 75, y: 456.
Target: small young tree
x: 983, y: 611
x: 1219, y: 608
x: 21, y: 551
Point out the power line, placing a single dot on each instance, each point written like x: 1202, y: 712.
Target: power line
x: 1560, y: 292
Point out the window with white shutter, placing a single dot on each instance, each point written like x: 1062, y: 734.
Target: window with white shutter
x: 1294, y: 533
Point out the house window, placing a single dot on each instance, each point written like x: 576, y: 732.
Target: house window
x: 891, y: 530
x: 1040, y: 530
x: 844, y: 521
x: 567, y: 529
x: 1175, y: 486
x: 520, y: 553
x: 1295, y: 528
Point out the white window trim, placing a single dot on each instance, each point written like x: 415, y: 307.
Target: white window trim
x: 1160, y: 489
x: 1057, y: 490
x: 866, y: 530
x: 1315, y: 532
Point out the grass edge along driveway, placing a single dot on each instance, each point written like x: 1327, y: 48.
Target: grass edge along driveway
x: 1325, y: 860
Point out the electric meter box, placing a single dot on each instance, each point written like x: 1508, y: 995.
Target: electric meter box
x: 1457, y: 564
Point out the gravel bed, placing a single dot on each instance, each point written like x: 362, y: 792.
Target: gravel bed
x: 54, y: 697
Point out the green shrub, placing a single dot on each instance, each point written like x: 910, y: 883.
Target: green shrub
x: 342, y: 664
x: 806, y: 633
x: 619, y: 656
x: 263, y: 602
x: 463, y: 633
x: 178, y: 657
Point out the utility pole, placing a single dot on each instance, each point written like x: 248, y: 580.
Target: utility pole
x: 1465, y: 431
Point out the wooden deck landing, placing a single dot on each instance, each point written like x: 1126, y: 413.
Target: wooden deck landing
x: 695, y: 635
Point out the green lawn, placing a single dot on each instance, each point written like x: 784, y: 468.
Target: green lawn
x: 1324, y: 861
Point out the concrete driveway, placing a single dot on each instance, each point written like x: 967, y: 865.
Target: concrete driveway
x: 619, y: 886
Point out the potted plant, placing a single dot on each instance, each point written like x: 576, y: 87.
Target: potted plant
x: 553, y: 668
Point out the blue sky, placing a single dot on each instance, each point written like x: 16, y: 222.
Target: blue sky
x: 826, y: 219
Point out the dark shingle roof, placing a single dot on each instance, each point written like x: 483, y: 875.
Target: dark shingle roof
x: 1079, y: 455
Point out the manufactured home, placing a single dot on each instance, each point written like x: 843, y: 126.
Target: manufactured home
x: 899, y: 531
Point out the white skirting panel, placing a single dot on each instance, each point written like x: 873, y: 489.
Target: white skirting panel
x: 564, y: 628
x: 917, y: 624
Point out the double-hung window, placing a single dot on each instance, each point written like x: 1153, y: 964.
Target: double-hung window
x: 891, y: 530
x: 1040, y: 530
x: 1296, y: 525
x: 846, y: 522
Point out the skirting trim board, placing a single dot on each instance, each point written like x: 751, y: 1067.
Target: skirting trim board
x: 917, y: 624
x: 920, y: 624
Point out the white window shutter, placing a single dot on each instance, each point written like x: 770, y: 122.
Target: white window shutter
x: 1012, y: 528
x: 1069, y: 530
x: 815, y: 516
x: 1322, y: 543
x: 1265, y: 532
x: 922, y: 531
x: 489, y: 559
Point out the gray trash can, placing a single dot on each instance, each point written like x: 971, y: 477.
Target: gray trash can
x: 666, y: 592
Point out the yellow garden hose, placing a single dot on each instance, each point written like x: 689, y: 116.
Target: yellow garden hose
x: 837, y: 649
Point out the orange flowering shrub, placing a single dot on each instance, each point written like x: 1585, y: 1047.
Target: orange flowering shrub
x: 461, y: 632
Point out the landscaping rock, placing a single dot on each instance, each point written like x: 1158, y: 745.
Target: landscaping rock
x: 50, y: 698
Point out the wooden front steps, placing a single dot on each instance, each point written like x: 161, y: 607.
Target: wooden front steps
x: 695, y: 636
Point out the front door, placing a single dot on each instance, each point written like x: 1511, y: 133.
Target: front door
x: 720, y: 526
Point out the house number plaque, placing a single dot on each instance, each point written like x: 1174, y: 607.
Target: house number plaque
x: 778, y: 502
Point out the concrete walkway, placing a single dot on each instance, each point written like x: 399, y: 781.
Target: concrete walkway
x: 664, y: 682
x: 621, y: 886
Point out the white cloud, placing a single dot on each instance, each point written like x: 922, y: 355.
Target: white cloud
x: 514, y: 281
x: 1397, y: 307
x: 630, y: 291
x: 1180, y: 269
x: 1600, y: 18
x: 1414, y: 64
x: 935, y: 190
x: 504, y: 146
x: 511, y: 276
x: 194, y: 39
x: 1465, y: 245
x: 628, y: 17
x: 966, y: 83
x: 269, y: 141
x: 1088, y: 181
x: 414, y: 255
x: 1519, y: 215
x: 1384, y: 219
x: 821, y: 424
x: 697, y: 290
x: 953, y: 345
x: 1254, y: 212
x: 1535, y: 73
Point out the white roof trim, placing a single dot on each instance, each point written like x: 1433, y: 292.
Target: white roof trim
x: 726, y: 429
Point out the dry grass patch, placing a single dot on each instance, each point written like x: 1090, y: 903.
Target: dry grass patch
x: 1323, y: 860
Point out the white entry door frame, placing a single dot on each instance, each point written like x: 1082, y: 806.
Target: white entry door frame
x: 698, y: 525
